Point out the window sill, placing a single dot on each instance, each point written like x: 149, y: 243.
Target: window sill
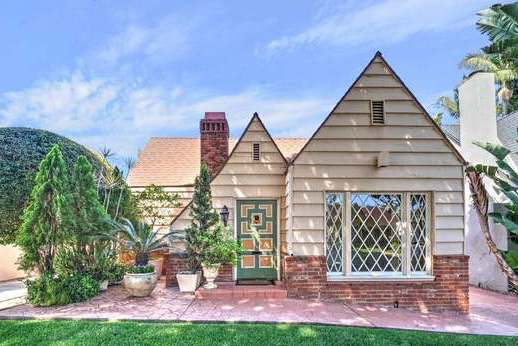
x: 391, y: 278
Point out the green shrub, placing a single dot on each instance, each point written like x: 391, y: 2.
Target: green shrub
x: 511, y: 257
x: 141, y: 269
x: 60, y: 290
x: 219, y: 246
x: 22, y: 151
x: 116, y: 273
x: 48, y: 220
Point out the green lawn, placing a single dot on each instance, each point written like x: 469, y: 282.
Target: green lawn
x: 132, y: 333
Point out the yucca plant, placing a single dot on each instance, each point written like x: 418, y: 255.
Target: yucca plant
x: 139, y: 239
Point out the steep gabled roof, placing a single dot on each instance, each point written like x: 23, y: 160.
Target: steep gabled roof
x: 394, y: 74
x: 506, y: 127
x: 174, y: 161
x: 236, y: 145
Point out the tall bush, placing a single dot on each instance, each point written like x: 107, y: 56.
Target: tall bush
x: 47, y: 221
x: 21, y: 151
x: 88, y: 221
x: 204, y: 218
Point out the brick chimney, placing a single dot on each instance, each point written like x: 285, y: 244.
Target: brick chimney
x: 214, y: 141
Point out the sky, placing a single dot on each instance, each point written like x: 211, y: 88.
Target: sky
x: 114, y: 73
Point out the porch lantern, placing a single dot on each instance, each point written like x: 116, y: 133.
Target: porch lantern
x: 224, y: 214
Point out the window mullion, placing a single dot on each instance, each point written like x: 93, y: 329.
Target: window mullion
x: 347, y: 235
x: 429, y: 217
x: 407, y: 238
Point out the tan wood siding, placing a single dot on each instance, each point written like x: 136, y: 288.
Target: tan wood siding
x: 342, y: 156
x: 244, y: 178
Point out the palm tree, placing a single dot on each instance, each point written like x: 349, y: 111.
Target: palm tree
x: 449, y: 105
x: 500, y: 24
x: 504, y: 69
x: 106, y: 153
x: 130, y: 163
x: 505, y: 179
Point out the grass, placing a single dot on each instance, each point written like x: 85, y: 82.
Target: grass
x: 86, y: 333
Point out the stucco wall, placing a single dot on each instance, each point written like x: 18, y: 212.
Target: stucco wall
x: 8, y: 268
x: 483, y: 267
x: 478, y: 123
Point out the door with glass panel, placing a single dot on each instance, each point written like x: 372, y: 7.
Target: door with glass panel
x: 259, y: 260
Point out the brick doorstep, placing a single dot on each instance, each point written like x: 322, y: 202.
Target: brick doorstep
x: 229, y: 290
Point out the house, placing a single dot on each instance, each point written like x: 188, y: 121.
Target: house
x: 369, y: 209
x: 478, y: 122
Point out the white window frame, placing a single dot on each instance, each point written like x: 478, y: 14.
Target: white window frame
x: 406, y: 274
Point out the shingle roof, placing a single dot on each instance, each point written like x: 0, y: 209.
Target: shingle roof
x: 452, y: 132
x: 174, y: 161
x: 506, y: 128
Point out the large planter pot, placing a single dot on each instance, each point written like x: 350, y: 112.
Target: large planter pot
x: 210, y: 271
x: 188, y: 282
x: 140, y: 285
x: 158, y: 263
x: 104, y: 285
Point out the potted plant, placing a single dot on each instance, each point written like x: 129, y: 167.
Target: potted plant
x: 189, y: 280
x: 203, y: 219
x: 141, y: 278
x: 218, y: 247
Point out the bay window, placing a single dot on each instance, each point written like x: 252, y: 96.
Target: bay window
x: 377, y: 234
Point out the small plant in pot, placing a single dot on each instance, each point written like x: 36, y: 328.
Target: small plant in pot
x: 218, y: 247
x: 140, y: 241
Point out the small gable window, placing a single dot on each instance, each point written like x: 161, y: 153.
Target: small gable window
x: 256, y: 155
x: 378, y: 112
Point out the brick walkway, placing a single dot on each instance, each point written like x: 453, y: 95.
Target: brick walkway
x: 490, y: 313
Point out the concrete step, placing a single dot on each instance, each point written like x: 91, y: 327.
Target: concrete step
x: 229, y: 290
x: 12, y: 293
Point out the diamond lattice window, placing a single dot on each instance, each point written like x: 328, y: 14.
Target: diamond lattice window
x: 376, y: 232
x: 334, y: 232
x: 418, y: 233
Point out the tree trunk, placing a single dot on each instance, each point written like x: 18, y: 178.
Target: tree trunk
x: 480, y: 201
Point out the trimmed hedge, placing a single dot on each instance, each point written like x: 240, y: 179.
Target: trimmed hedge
x: 21, y: 150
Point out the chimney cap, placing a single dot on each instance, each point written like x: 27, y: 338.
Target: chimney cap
x: 215, y: 115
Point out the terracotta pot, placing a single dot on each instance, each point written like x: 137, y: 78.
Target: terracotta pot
x: 210, y: 271
x: 159, y: 265
x: 188, y: 282
x: 104, y: 285
x: 140, y: 285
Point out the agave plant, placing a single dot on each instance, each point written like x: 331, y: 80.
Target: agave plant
x: 139, y: 239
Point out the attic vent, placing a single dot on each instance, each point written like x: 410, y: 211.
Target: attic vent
x: 257, y: 152
x: 378, y: 112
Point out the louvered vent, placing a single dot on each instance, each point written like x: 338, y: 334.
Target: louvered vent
x: 257, y: 152
x: 378, y: 112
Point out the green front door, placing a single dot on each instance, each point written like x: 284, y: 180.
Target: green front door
x: 259, y: 261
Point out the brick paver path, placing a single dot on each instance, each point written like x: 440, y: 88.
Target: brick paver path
x: 490, y: 313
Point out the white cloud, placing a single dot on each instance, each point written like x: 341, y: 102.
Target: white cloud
x: 161, y: 42
x: 378, y: 23
x: 104, y: 102
x: 123, y: 115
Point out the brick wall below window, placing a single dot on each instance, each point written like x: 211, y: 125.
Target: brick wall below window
x: 305, y: 277
x: 175, y: 263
